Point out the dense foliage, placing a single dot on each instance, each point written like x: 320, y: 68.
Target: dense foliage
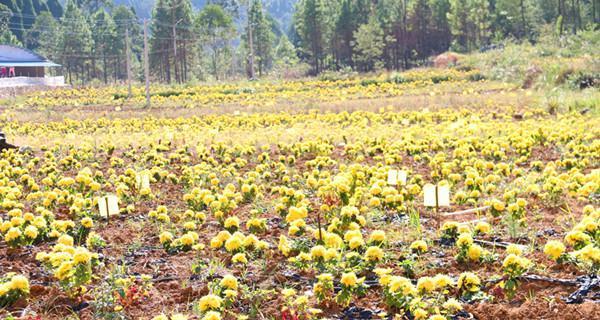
x: 225, y: 39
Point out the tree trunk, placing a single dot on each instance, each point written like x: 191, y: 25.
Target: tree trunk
x: 168, y: 67
x: 594, y: 12
x: 574, y: 18
x: 579, y: 24
x: 116, y: 67
x: 184, y: 62
x: 94, y: 70
x: 524, y: 21
x: 214, y: 63
x: 404, y: 33
x: 250, y: 45
x: 104, y: 67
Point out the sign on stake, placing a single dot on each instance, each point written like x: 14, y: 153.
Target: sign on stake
x: 436, y: 195
x: 396, y: 177
x: 108, y: 206
x: 142, y: 180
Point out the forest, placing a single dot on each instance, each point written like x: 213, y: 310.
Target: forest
x: 230, y: 39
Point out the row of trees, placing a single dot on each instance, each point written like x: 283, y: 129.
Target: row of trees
x: 90, y: 40
x: 86, y: 39
x: 93, y: 39
x: 210, y: 42
x: 365, y: 34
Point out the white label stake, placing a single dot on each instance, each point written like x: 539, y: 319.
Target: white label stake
x: 436, y: 196
x: 392, y: 178
x: 142, y: 181
x: 396, y: 177
x: 108, y: 206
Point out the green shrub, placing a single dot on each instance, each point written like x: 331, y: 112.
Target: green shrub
x: 119, y: 96
x: 397, y: 78
x: 583, y: 80
x: 368, y: 82
x: 476, y: 76
x: 169, y: 93
x: 440, y: 78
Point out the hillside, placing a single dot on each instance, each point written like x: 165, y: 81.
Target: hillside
x: 24, y: 11
x: 281, y: 10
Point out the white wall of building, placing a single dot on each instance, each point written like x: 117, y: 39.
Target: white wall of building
x: 26, y: 82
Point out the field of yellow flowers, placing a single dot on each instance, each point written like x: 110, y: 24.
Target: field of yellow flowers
x: 268, y: 93
x: 317, y: 214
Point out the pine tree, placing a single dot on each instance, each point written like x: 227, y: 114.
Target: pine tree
x: 42, y: 35
x: 104, y: 35
x: 344, y: 35
x: 161, y: 41
x: 479, y: 16
x: 310, y: 25
x: 125, y: 20
x: 420, y: 18
x: 75, y: 41
x: 13, y: 12
x: 388, y: 14
x: 6, y: 35
x: 172, y: 39
x: 28, y: 14
x: 232, y: 7
x: 441, y: 36
x: 262, y: 37
x: 470, y: 23
x: 517, y: 18
x: 285, y: 53
x: 216, y: 30
x: 458, y: 18
x: 369, y: 45
x: 55, y: 8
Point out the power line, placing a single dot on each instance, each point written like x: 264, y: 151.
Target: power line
x: 91, y: 24
x: 71, y: 33
x: 178, y: 38
x: 122, y: 21
x: 118, y: 23
x: 29, y: 16
x: 188, y: 27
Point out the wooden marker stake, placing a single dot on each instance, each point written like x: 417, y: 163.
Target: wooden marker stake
x: 319, y: 225
x: 436, y: 196
x: 107, y: 211
x: 437, y: 200
x: 437, y: 207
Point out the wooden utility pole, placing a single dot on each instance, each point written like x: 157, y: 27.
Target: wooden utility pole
x: 146, y: 64
x: 128, y: 61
